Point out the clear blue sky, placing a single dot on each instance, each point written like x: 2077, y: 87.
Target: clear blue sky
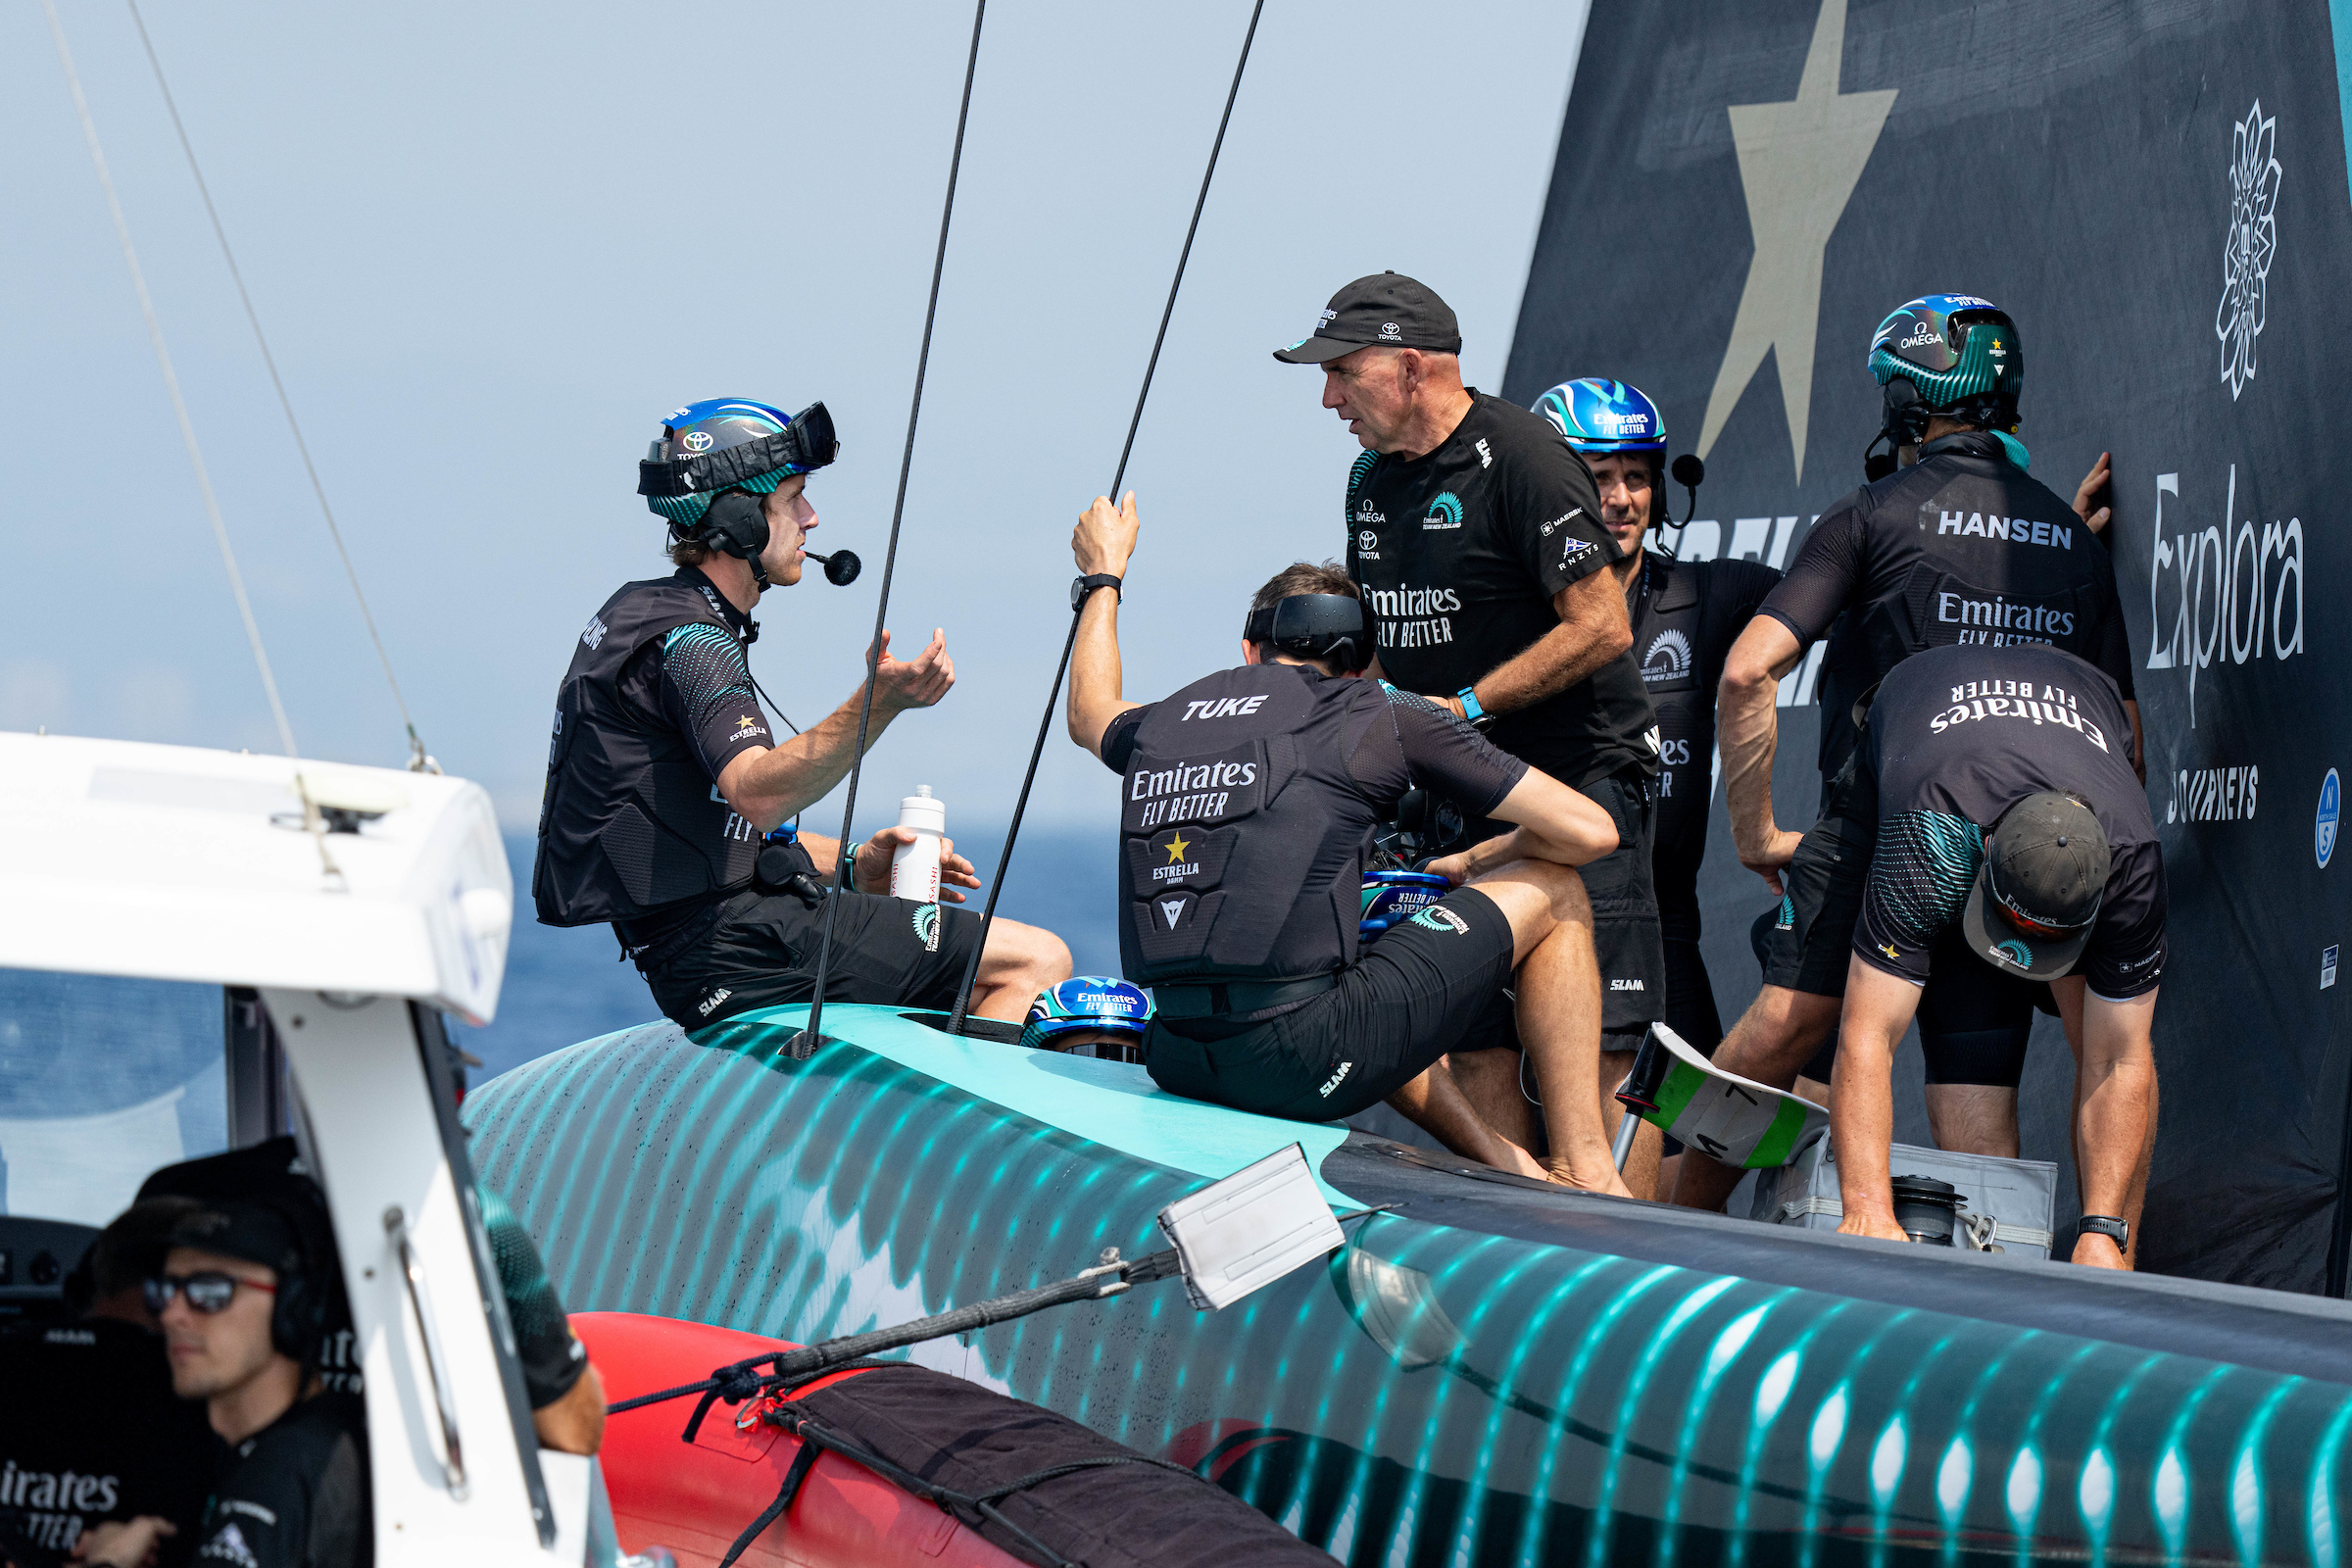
x: 494, y: 244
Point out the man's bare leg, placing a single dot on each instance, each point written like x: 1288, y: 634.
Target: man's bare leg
x: 1776, y: 1035
x: 1559, y: 1013
x: 1489, y: 1080
x: 1018, y: 962
x: 1973, y: 1119
x: 1640, y: 1171
x: 1434, y: 1102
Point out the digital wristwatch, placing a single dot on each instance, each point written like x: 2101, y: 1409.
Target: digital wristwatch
x: 1080, y: 589
x: 1478, y: 717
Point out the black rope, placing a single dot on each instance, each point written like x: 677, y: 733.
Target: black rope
x: 804, y: 1044
x: 1045, y: 725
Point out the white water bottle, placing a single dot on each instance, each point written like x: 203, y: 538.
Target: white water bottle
x: 914, y: 867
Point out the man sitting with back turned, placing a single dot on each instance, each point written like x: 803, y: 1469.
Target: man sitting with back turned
x: 664, y: 775
x: 2013, y: 847
x: 1249, y: 799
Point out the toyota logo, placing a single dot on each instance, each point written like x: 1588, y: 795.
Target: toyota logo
x: 1367, y: 539
x: 696, y: 441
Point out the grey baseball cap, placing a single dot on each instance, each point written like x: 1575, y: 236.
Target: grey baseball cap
x: 2037, y: 894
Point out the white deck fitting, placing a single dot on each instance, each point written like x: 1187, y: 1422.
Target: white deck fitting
x: 172, y: 863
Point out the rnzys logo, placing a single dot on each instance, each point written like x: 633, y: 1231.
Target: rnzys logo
x: 2252, y: 243
x: 1668, y: 658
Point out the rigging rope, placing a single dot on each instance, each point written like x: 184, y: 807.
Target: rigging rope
x: 988, y: 914
x: 805, y: 1043
x: 180, y: 406
x: 419, y: 761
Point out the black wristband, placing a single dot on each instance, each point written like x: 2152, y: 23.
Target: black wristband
x: 2110, y: 1225
x: 1084, y: 586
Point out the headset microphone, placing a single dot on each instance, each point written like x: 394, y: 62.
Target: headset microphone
x: 841, y: 567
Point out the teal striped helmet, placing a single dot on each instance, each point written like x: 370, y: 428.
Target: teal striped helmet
x: 1960, y: 353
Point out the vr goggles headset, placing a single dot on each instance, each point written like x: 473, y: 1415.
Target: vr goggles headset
x: 806, y: 443
x: 1313, y: 626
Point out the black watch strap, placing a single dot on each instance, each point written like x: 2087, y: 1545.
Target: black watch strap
x: 2108, y: 1225
x: 1088, y: 585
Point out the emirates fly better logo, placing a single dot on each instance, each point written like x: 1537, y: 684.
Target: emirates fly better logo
x: 2253, y: 241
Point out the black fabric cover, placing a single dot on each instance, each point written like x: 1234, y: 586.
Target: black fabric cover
x: 963, y: 1437
x: 2156, y: 194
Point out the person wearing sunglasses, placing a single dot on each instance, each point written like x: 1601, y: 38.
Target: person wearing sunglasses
x: 2014, y: 850
x: 668, y: 792
x: 245, y: 1306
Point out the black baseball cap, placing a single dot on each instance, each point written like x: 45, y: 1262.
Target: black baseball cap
x: 234, y: 1228
x: 2037, y: 895
x: 1386, y: 307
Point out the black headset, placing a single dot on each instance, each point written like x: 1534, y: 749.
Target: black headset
x: 1312, y: 626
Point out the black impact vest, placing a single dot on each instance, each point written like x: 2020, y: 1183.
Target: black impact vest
x: 631, y: 822
x: 1242, y: 831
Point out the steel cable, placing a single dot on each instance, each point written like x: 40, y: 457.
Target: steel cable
x: 988, y: 914
x: 805, y: 1043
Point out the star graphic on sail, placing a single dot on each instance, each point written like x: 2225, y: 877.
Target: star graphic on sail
x: 1178, y: 848
x: 1799, y: 161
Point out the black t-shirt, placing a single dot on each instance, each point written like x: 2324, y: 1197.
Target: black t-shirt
x: 1390, y: 748
x: 90, y: 1431
x: 1459, y: 553
x: 1686, y: 615
x: 1954, y: 738
x: 295, y: 1494
x: 1963, y: 547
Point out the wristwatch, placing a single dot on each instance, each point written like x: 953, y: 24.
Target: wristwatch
x: 2107, y: 1225
x: 1088, y: 585
x: 1478, y: 717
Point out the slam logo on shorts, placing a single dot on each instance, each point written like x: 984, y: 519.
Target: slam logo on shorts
x: 926, y: 927
x: 1438, y: 917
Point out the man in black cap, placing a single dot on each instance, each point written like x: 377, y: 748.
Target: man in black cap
x: 2013, y: 847
x: 245, y: 1299
x: 1477, y: 537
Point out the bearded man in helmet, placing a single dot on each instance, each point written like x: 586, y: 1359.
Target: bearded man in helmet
x: 666, y: 787
x: 1686, y: 615
x: 1956, y: 546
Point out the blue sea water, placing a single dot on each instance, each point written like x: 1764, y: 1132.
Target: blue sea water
x: 566, y: 986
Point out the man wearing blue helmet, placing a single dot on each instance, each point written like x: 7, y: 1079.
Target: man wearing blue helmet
x: 1686, y: 615
x: 665, y: 776
x: 1957, y: 546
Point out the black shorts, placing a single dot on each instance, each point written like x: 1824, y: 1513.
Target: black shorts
x: 1974, y: 1021
x: 886, y: 950
x: 1408, y: 999
x: 1805, y: 943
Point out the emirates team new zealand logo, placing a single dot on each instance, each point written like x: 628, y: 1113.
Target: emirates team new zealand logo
x: 2253, y: 241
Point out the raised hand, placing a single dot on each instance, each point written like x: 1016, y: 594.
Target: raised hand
x: 1104, y: 537
x: 2086, y: 494
x: 918, y: 683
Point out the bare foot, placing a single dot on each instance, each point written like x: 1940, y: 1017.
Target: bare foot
x: 1600, y: 1177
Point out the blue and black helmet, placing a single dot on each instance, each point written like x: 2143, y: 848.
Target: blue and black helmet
x: 1090, y: 1001
x: 725, y: 444
x: 1961, y: 356
x: 1596, y: 417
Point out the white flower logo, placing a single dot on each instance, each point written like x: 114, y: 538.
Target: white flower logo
x: 2253, y: 241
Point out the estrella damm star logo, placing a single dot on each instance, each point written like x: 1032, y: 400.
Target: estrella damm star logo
x: 746, y: 721
x: 1888, y: 948
x: 1178, y: 848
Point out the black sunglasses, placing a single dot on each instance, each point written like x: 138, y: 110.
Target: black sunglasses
x: 207, y: 1292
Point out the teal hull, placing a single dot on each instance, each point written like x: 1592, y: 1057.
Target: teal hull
x: 1494, y: 1374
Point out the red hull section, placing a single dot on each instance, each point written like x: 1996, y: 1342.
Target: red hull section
x: 695, y: 1499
